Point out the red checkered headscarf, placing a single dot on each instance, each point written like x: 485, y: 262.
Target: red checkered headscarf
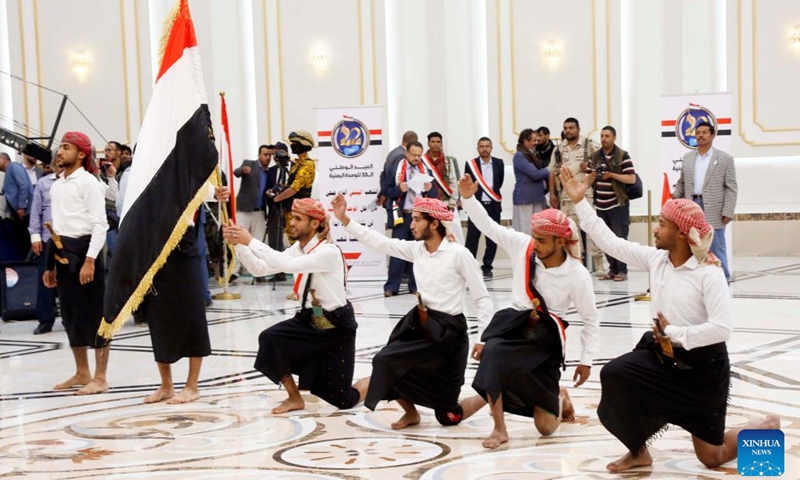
x: 555, y: 223
x: 83, y: 143
x: 310, y: 207
x: 691, y: 221
x: 438, y: 210
x: 433, y: 207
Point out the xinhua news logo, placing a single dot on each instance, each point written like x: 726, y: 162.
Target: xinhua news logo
x: 761, y: 453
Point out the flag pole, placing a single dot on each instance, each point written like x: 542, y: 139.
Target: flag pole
x: 223, y: 216
x: 645, y: 297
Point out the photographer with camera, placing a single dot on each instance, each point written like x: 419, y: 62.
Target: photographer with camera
x: 614, y: 170
x: 301, y: 174
x: 251, y: 201
x: 278, y: 175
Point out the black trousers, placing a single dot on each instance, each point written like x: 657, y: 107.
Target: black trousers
x: 474, y: 236
x: 398, y: 266
x: 618, y: 220
x: 45, y: 297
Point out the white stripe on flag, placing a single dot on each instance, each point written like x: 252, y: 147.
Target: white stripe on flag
x: 176, y: 97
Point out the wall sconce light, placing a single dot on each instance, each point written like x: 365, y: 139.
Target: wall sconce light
x: 794, y: 38
x: 81, y: 64
x: 552, y: 54
x: 319, y: 57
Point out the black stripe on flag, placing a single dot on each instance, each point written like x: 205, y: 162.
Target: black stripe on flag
x: 723, y: 132
x: 151, y: 219
x: 668, y: 134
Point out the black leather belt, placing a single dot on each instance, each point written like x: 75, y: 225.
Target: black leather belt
x: 697, y: 197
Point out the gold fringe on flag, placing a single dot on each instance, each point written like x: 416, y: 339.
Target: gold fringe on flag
x: 169, y: 21
x: 108, y: 330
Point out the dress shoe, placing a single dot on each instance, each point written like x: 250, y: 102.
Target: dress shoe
x: 233, y: 278
x: 487, y: 274
x: 280, y: 277
x: 389, y: 293
x: 43, y: 328
x: 209, y: 303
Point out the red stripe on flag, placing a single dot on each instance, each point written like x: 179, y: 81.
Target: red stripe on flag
x: 724, y: 121
x: 668, y: 123
x: 181, y: 37
x: 666, y: 193
x: 227, y: 130
x: 375, y: 132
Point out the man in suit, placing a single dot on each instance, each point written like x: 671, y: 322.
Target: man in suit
x: 390, y: 167
x: 18, y: 191
x: 251, y: 201
x: 488, y: 172
x: 708, y: 177
x: 34, y: 172
x: 399, y: 204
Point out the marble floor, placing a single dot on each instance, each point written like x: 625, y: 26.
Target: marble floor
x: 229, y: 432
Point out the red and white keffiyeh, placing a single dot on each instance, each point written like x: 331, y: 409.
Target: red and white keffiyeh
x: 691, y: 221
x: 554, y: 222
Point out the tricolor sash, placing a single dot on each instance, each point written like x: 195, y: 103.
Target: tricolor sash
x: 443, y: 184
x: 302, y: 279
x: 476, y: 169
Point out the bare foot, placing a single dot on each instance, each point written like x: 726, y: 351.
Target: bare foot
x: 160, y: 395
x: 567, y: 410
x: 289, y: 405
x: 362, y: 386
x: 74, y: 381
x: 771, y: 422
x: 496, y: 439
x: 93, y: 387
x: 407, y: 420
x: 187, y: 395
x: 628, y: 461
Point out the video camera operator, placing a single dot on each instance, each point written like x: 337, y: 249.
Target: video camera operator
x: 278, y: 175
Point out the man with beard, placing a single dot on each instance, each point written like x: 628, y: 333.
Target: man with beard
x: 302, y: 173
x: 400, y: 204
x: 574, y: 152
x: 544, y: 146
x: 79, y: 220
x: 680, y: 372
x: 317, y: 344
x: 524, y: 344
x: 424, y: 360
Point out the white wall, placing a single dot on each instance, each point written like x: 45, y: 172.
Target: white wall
x: 466, y: 68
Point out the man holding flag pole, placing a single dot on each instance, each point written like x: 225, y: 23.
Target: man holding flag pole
x: 176, y: 159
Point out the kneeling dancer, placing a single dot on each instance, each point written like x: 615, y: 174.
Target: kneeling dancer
x: 317, y: 344
x: 426, y: 356
x: 679, y: 373
x: 524, y: 344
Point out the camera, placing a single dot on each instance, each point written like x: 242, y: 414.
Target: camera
x: 282, y: 158
x: 600, y: 169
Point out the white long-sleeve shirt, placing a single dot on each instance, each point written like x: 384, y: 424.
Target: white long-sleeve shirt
x: 561, y: 287
x: 325, y: 262
x: 694, y: 298
x: 78, y: 205
x: 442, y: 276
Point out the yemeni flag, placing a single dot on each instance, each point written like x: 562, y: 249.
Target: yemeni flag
x: 175, y: 157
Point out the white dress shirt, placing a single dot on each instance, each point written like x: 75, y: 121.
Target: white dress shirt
x: 442, y: 276
x: 561, y: 287
x: 32, y: 175
x: 78, y: 205
x: 325, y: 262
x: 694, y: 298
x: 700, y: 168
x: 487, y: 170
